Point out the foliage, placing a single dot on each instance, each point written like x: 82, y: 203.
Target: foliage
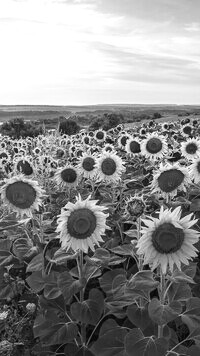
x: 17, y: 128
x: 69, y: 127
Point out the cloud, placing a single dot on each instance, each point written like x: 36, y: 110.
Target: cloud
x: 146, y: 67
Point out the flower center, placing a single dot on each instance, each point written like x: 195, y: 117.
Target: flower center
x: 187, y: 130
x: 81, y: 223
x: 154, y: 145
x: 3, y: 155
x: 134, y: 147
x: 100, y: 135
x: 88, y: 164
x: 170, y: 180
x: 21, y: 194
x: 123, y: 140
x: 69, y: 175
x: 86, y: 140
x: 167, y: 238
x: 24, y: 167
x: 108, y: 166
x: 191, y: 148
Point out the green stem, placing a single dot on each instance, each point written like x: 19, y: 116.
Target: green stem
x: 83, y: 326
x: 162, y: 299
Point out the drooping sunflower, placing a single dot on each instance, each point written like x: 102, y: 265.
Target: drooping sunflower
x: 109, y: 148
x: 191, y: 148
x: 82, y: 224
x: 169, y: 179
x: 168, y: 240
x: 21, y: 195
x: 154, y: 146
x: 194, y: 171
x: 86, y: 166
x: 133, y: 146
x: 24, y: 165
x: 67, y: 176
x: 109, y: 167
x: 122, y: 140
x: 134, y: 206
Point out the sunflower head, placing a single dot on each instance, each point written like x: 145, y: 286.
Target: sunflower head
x: 191, y: 148
x: 169, y: 179
x: 67, y: 176
x: 81, y: 225
x: 133, y: 146
x: 186, y: 130
x: 109, y: 167
x: 135, y: 206
x: 154, y: 146
x: 21, y: 195
x: 168, y: 240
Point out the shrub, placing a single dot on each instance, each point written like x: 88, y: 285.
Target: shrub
x: 17, y: 128
x: 69, y: 127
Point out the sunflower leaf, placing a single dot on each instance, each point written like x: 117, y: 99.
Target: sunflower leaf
x: 163, y: 314
x: 138, y: 345
x: 191, y: 316
x: 143, y: 280
x: 111, y: 343
x: 138, y: 316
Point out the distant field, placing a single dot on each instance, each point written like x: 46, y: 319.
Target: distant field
x: 51, y: 114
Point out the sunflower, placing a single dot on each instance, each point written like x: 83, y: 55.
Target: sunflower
x: 100, y: 135
x: 194, y: 170
x: 165, y: 126
x: 86, y: 166
x: 81, y: 225
x: 168, y: 240
x: 142, y: 131
x: 169, y: 179
x: 67, y: 176
x: 134, y: 206
x: 191, y: 148
x: 109, y: 167
x: 186, y: 130
x: 86, y: 140
x: 108, y: 148
x: 122, y: 140
x: 154, y: 146
x: 133, y: 146
x: 4, y: 155
x: 21, y: 195
x: 24, y: 165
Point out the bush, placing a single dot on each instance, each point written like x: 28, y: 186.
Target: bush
x: 69, y: 127
x: 17, y: 128
x: 107, y: 121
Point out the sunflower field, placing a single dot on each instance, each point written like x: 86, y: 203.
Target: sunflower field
x: 99, y: 242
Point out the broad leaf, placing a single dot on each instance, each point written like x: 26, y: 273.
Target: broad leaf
x: 191, y: 317
x: 68, y: 285
x: 111, y: 343
x: 163, y: 314
x: 106, y: 281
x: 138, y: 345
x: 138, y: 316
x: 143, y: 280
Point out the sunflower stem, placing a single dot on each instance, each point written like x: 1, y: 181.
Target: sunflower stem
x: 140, y: 260
x: 83, y: 326
x: 162, y: 290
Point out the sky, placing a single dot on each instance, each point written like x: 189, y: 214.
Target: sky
x: 80, y: 52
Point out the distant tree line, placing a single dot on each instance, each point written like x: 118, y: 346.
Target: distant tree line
x: 18, y: 127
